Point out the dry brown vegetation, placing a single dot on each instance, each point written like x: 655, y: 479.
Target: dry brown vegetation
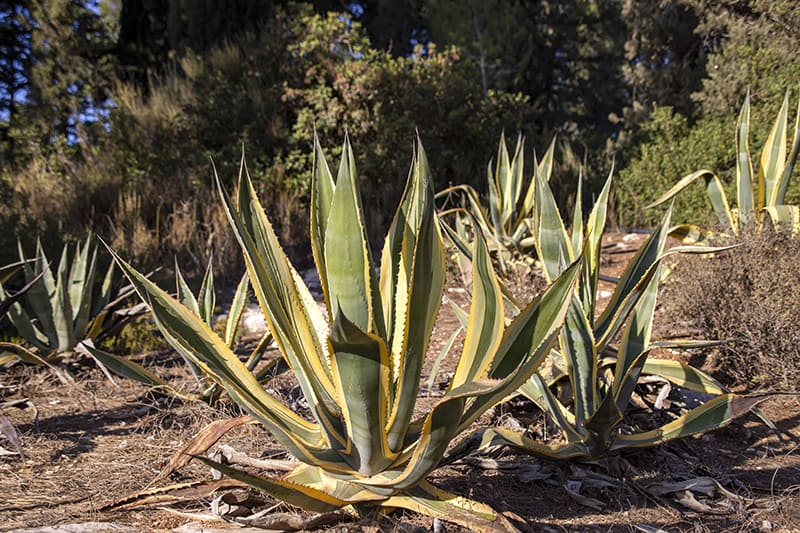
x: 750, y: 295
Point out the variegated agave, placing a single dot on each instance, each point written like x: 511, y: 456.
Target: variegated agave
x: 363, y: 444
x: 506, y: 221
x: 203, y: 306
x: 603, y: 376
x: 756, y: 193
x: 62, y: 308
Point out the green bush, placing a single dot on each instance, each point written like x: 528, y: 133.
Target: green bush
x: 674, y: 149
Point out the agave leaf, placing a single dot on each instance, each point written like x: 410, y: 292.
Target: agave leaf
x: 23, y: 354
x: 465, y: 250
x: 714, y: 190
x: 517, y: 177
x: 285, y: 310
x: 689, y: 233
x: 537, y: 391
x: 206, y: 299
x: 19, y: 317
x: 185, y: 295
x: 103, y: 300
x: 6, y: 302
x: 361, y: 373
x: 577, y: 216
x: 322, y: 190
x: 432, y: 501
x: 237, y: 308
x: 302, y: 496
x: 486, y: 319
x: 552, y: 240
x: 744, y: 165
x: 543, y: 169
x: 773, y: 158
x: 78, y: 274
x: 787, y: 216
x: 495, y: 205
x: 130, y: 370
x: 714, y: 414
x: 503, y: 183
x: 783, y: 182
x: 40, y: 294
x: 635, y: 342
x: 683, y: 375
x: 425, y: 286
x: 461, y: 315
x: 578, y: 346
x: 195, y: 341
x: 437, y: 362
x: 526, y: 341
x: 595, y: 226
x: 633, y: 283
x: 188, y: 300
x: 474, y: 209
x: 347, y: 251
x: 62, y: 309
x: 82, y: 288
x: 505, y: 437
x: 8, y: 271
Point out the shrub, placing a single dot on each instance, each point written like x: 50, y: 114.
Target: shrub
x: 748, y: 294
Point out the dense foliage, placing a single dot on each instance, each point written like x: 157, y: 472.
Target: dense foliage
x: 103, y: 102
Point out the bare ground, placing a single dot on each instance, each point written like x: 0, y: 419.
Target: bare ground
x: 92, y: 443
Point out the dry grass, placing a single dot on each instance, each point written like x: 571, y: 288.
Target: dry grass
x: 748, y: 294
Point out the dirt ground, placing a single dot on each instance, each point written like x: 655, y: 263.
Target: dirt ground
x: 92, y: 443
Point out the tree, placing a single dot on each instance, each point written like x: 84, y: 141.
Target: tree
x: 155, y: 34
x: 14, y: 68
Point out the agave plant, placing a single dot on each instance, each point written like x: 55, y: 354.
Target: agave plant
x: 6, y: 273
x: 603, y: 377
x: 506, y: 224
x: 202, y: 306
x: 362, y: 444
x: 62, y: 308
x: 767, y: 194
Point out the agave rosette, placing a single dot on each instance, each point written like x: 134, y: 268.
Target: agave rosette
x: 203, y: 306
x: 758, y: 192
x: 360, y: 375
x: 62, y: 308
x: 603, y: 376
x: 506, y: 221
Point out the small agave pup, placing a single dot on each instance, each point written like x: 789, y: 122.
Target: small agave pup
x: 363, y: 445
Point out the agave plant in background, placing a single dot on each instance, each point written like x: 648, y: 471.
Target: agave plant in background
x: 63, y: 308
x: 6, y: 273
x: 361, y: 445
x: 506, y: 224
x: 767, y: 194
x: 202, y: 306
x: 603, y: 377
